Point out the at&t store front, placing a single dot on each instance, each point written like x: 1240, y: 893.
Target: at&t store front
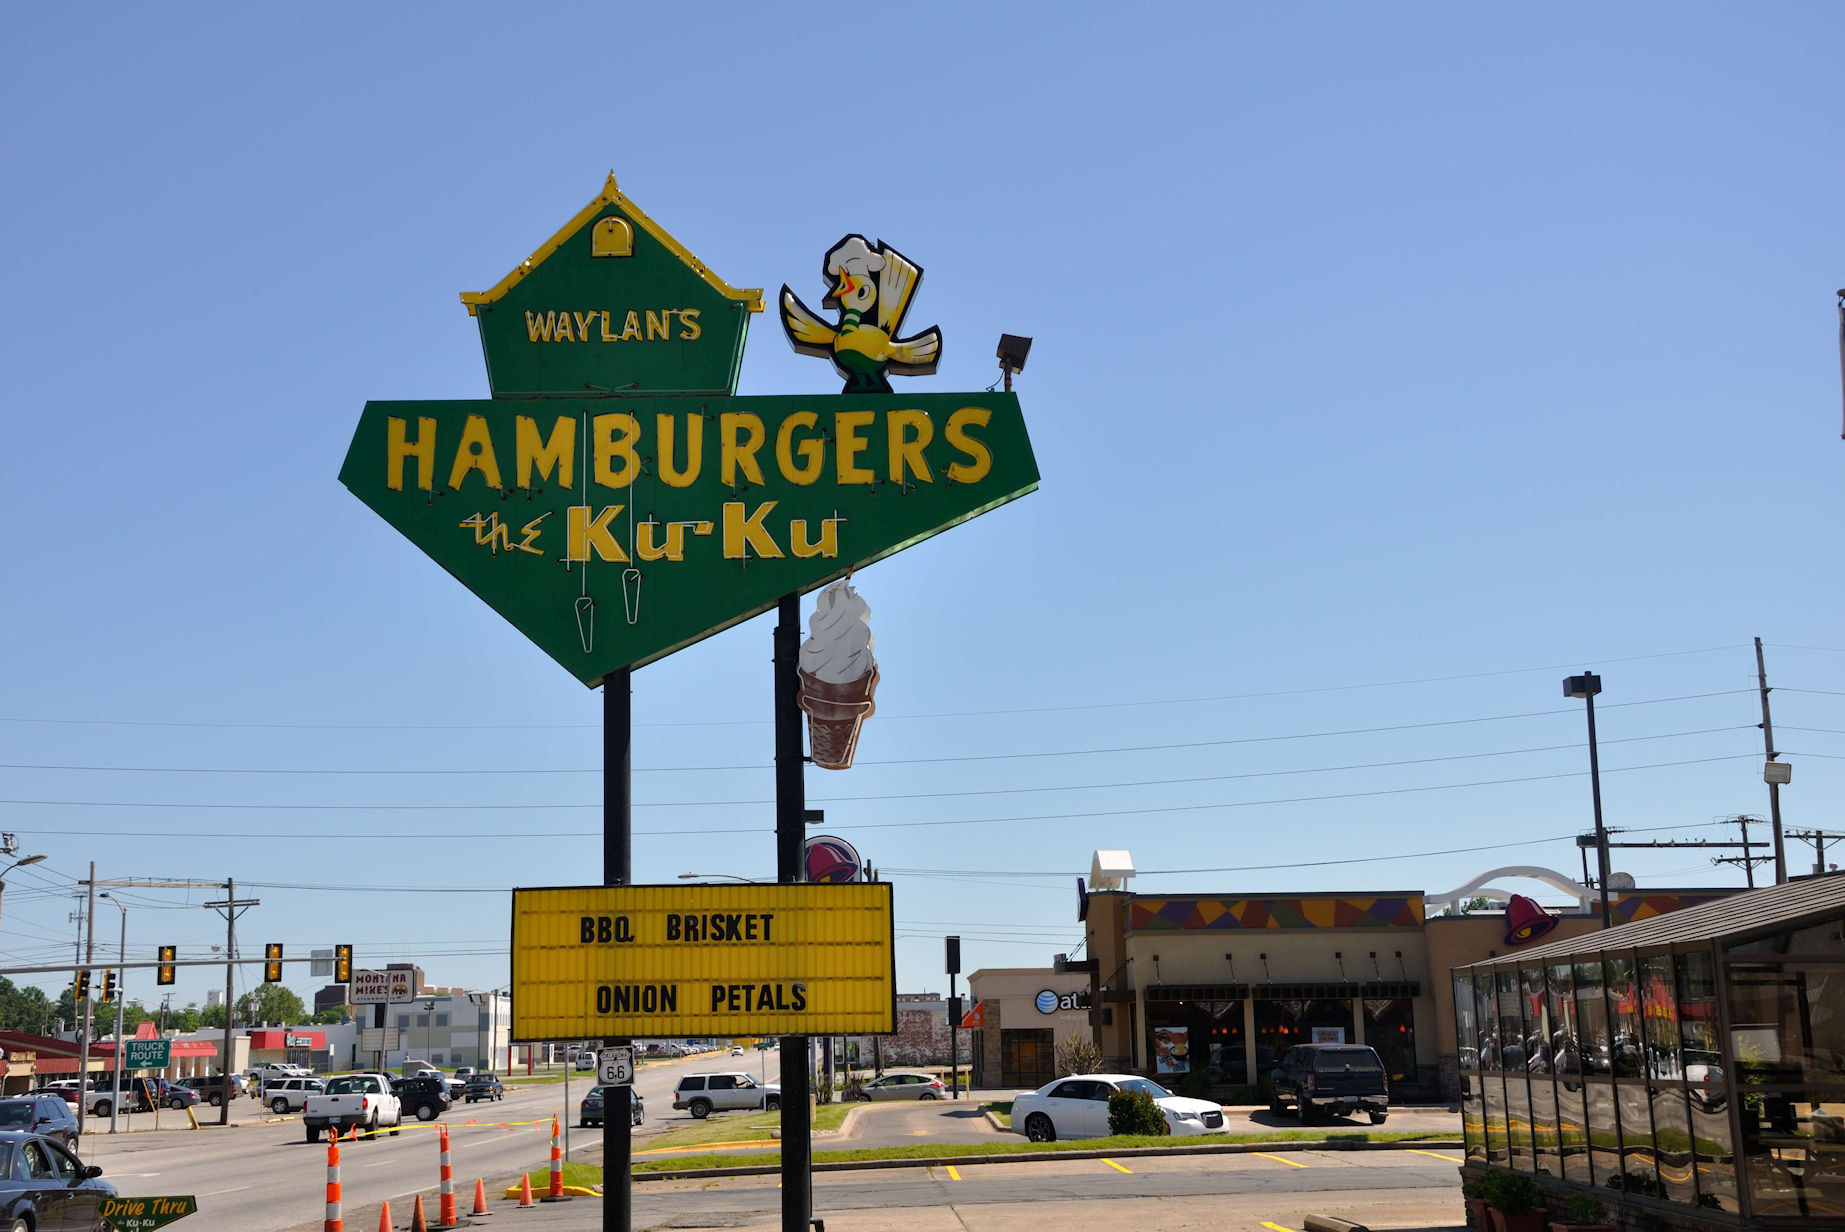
x: 1025, y: 1015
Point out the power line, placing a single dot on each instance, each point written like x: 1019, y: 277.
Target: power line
x: 959, y: 714
x: 932, y: 795
x: 320, y: 836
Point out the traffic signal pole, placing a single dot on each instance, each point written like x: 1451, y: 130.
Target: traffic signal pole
x: 89, y: 957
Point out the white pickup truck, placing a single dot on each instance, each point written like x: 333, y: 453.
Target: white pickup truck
x: 353, y: 1102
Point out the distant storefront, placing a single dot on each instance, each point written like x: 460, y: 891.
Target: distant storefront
x: 1225, y: 984
x: 294, y: 1046
x: 1025, y: 1014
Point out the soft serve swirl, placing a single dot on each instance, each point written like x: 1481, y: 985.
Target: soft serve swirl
x: 839, y: 645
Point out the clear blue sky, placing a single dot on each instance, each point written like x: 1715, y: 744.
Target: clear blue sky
x: 1373, y: 345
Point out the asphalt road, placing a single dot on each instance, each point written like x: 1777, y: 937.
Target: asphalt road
x: 1223, y: 1193
x: 265, y: 1178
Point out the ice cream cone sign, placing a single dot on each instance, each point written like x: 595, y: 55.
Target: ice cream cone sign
x: 839, y: 675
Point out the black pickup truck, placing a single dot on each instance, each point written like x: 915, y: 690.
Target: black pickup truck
x: 1331, y: 1078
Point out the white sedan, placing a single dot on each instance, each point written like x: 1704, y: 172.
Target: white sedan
x: 1077, y: 1107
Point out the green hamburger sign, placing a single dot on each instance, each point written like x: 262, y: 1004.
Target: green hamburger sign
x: 613, y: 524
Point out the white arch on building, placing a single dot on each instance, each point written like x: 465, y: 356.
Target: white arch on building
x: 1477, y: 888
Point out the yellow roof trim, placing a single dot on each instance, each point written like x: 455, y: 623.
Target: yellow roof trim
x: 611, y: 195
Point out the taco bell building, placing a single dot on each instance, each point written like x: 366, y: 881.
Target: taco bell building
x: 1224, y: 983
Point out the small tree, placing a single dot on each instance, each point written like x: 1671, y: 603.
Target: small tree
x: 1134, y: 1112
x: 1078, y: 1055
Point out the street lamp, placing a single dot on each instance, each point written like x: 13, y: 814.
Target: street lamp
x: 121, y: 999
x: 17, y: 864
x: 429, y: 1036
x: 720, y: 877
x: 1586, y: 686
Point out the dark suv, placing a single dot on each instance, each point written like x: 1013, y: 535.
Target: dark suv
x: 424, y: 1098
x: 1331, y: 1078
x: 40, y: 1114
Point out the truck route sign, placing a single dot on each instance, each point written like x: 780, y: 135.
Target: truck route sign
x: 727, y: 961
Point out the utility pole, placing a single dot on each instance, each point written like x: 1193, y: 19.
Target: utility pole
x: 232, y: 906
x: 1747, y: 859
x: 83, y: 1068
x: 1773, y: 777
x: 1819, y: 839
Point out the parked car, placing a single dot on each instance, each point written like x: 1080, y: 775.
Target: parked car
x: 290, y: 1094
x: 589, y: 1112
x: 423, y: 1098
x: 703, y: 1094
x: 586, y: 1059
x: 66, y: 1091
x: 211, y: 1087
x: 1340, y: 1079
x: 1077, y: 1107
x: 43, y: 1186
x: 46, y: 1115
x: 902, y: 1086
x: 484, y: 1086
x: 137, y: 1095
x: 464, y: 1072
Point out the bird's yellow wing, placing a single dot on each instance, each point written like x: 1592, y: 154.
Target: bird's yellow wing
x: 896, y: 283
x: 917, y: 356
x: 807, y: 332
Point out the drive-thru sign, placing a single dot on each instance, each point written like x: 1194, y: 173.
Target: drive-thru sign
x: 627, y: 961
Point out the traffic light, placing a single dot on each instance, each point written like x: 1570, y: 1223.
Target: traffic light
x: 342, y: 964
x: 167, y: 954
x: 83, y: 986
x: 272, y: 963
x: 109, y: 984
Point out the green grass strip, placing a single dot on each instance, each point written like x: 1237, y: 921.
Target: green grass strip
x: 963, y: 1149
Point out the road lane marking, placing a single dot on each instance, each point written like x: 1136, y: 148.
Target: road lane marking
x: 1117, y: 1167
x: 1278, y: 1159
x: 1276, y: 1227
x: 214, y: 1193
x: 1453, y: 1159
x: 952, y: 1174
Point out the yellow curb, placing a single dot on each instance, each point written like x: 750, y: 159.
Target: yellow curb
x: 707, y: 1146
x: 573, y: 1191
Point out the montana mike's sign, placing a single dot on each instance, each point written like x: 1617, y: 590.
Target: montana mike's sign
x: 612, y: 532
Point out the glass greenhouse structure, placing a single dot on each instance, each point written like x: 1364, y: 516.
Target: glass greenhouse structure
x: 1691, y: 1063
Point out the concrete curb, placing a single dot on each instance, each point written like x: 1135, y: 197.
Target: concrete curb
x: 1145, y: 1152
x: 993, y: 1120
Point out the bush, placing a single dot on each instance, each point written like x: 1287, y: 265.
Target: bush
x: 1586, y: 1208
x: 1134, y: 1112
x: 1077, y: 1055
x: 1509, y: 1193
x: 1194, y: 1084
x: 1474, y: 1188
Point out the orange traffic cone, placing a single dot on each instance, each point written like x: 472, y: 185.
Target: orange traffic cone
x: 480, y: 1199
x: 416, y: 1217
x: 525, y: 1192
x: 384, y: 1219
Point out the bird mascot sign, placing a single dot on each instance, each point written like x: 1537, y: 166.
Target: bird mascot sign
x: 872, y: 289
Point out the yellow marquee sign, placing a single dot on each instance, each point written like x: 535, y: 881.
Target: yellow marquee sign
x: 733, y: 960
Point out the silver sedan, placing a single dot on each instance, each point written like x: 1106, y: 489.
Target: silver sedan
x: 902, y: 1086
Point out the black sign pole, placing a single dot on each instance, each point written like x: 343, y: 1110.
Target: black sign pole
x: 791, y: 866
x: 617, y: 870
